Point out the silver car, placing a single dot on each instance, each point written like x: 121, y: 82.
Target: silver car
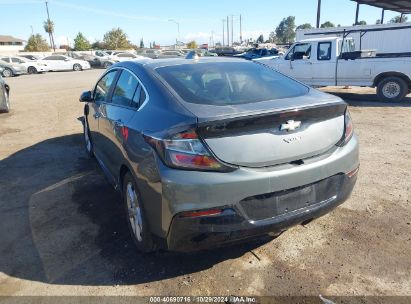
x: 210, y: 151
x: 4, y: 95
x: 12, y: 69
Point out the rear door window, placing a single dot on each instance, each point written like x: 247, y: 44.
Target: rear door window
x: 102, y: 90
x: 125, y: 89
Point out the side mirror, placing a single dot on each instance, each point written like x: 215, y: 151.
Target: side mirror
x: 86, y: 97
x: 292, y: 58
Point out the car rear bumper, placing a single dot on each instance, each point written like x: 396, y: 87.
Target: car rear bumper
x: 251, y: 197
x: 234, y: 223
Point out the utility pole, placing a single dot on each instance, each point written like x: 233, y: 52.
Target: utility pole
x: 223, y: 32
x: 178, y: 31
x: 212, y: 39
x: 48, y: 24
x: 32, y: 32
x: 318, y: 13
x: 241, y: 31
x: 228, y: 32
x: 232, y: 30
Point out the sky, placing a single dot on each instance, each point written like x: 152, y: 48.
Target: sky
x: 198, y: 19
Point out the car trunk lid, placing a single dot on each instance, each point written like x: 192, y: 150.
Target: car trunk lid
x: 276, y: 137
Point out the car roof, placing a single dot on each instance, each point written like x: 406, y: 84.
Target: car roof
x: 319, y: 39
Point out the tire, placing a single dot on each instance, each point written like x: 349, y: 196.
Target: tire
x: 8, y: 72
x: 6, y: 108
x: 77, y: 67
x: 136, y: 216
x: 107, y: 65
x: 88, y: 144
x: 31, y: 70
x: 392, y: 89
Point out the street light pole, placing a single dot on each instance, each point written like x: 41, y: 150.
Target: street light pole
x: 223, y: 32
x: 178, y: 30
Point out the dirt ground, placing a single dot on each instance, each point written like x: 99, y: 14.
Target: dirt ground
x: 62, y: 231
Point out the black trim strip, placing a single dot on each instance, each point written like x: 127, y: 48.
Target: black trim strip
x: 271, y: 121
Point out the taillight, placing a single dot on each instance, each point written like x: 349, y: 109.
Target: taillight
x: 348, y: 129
x: 186, y: 151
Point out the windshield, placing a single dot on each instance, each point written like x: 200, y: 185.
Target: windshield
x: 229, y: 83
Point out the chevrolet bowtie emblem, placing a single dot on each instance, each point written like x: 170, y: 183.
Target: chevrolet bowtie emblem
x: 291, y: 125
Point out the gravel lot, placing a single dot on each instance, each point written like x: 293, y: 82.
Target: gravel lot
x: 62, y: 231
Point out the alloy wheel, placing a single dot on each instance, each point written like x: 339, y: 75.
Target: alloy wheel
x: 134, y: 211
x: 7, y: 73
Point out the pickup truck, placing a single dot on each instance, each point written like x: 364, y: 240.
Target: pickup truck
x: 333, y: 61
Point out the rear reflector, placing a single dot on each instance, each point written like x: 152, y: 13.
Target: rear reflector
x: 353, y: 172
x: 201, y: 213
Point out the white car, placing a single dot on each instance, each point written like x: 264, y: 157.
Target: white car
x: 64, y: 63
x: 125, y: 57
x: 32, y: 66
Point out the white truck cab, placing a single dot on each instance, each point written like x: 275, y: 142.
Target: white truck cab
x: 333, y: 61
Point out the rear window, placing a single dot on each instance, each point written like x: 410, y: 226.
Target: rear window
x: 229, y: 83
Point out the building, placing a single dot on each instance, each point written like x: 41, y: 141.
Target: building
x: 10, y: 45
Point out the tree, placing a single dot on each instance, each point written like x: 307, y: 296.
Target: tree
x: 272, y: 37
x: 49, y: 29
x: 285, y: 30
x: 37, y: 43
x: 362, y: 22
x: 81, y: 43
x: 327, y: 24
x: 116, y: 39
x: 141, y: 43
x: 304, y: 26
x: 378, y: 21
x: 397, y: 19
x: 98, y: 45
x: 260, y: 39
x: 192, y: 45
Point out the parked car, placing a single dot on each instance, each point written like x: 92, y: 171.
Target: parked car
x: 150, y: 53
x: 334, y: 61
x: 4, y: 95
x: 123, y: 56
x: 64, y: 63
x: 227, y: 51
x: 171, y: 54
x: 96, y: 61
x: 255, y: 53
x: 216, y: 150
x: 32, y: 66
x: 205, y: 53
x: 30, y: 57
x: 12, y: 69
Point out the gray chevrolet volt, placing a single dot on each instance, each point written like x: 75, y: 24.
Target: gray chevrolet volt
x: 213, y: 151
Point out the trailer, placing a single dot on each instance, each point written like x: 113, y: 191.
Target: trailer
x: 384, y: 38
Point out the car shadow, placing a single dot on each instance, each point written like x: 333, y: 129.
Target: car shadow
x: 369, y: 100
x: 61, y: 222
